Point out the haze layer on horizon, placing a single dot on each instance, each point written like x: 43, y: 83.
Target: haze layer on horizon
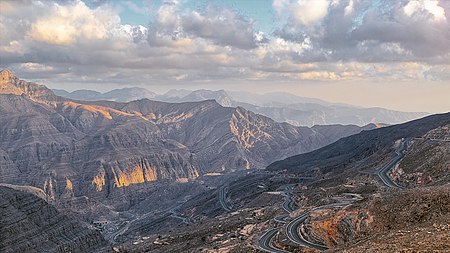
x: 392, y: 54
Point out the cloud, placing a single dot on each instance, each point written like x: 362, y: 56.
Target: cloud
x: 222, y: 26
x: 219, y: 26
x: 65, y: 25
x: 280, y: 5
x: 309, y: 12
x: 432, y: 7
x: 375, y: 31
x: 349, y: 8
x: 332, y: 40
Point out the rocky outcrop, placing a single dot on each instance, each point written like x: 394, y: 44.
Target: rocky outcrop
x: 29, y: 224
x: 381, y: 215
x: 10, y: 84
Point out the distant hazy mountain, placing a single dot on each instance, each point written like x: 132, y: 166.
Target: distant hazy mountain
x: 299, y: 111
x: 119, y: 95
x: 280, y: 106
x: 273, y: 98
x: 220, y: 96
x: 175, y: 93
x: 309, y: 114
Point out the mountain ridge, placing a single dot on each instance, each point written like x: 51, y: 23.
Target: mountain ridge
x: 283, y: 107
x: 345, y: 146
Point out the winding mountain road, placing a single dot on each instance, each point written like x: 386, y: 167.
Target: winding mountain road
x: 293, y: 227
x: 265, y: 242
x: 281, y: 218
x: 383, y: 173
x: 223, y: 199
x: 288, y: 203
x: 292, y: 232
x: 171, y: 211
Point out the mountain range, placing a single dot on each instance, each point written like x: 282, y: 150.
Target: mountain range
x: 75, y: 148
x: 280, y: 106
x: 198, y: 172
x: 331, y: 198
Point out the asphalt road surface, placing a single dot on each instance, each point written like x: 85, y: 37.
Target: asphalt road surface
x: 292, y: 232
x: 223, y: 199
x: 288, y: 204
x: 383, y: 173
x: 265, y: 241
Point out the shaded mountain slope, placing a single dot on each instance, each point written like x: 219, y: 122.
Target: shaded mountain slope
x: 29, y: 224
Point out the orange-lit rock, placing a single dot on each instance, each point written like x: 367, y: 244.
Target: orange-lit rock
x: 138, y: 174
x: 99, y: 180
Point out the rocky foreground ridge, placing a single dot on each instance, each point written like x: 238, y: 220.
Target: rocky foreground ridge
x: 30, y: 224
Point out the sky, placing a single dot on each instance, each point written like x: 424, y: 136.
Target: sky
x: 386, y: 53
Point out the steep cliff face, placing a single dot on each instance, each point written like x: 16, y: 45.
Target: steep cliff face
x: 29, y: 224
x: 75, y: 148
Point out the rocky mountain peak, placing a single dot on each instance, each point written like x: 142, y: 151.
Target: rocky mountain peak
x: 6, y: 76
x: 10, y: 84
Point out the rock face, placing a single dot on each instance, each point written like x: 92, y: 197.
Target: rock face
x: 29, y: 224
x: 75, y: 148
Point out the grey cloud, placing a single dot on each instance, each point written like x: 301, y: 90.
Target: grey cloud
x: 220, y: 26
x: 347, y: 37
x: 224, y: 27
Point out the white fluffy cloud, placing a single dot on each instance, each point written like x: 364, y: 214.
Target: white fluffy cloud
x: 309, y: 12
x: 64, y: 25
x: 430, y: 6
